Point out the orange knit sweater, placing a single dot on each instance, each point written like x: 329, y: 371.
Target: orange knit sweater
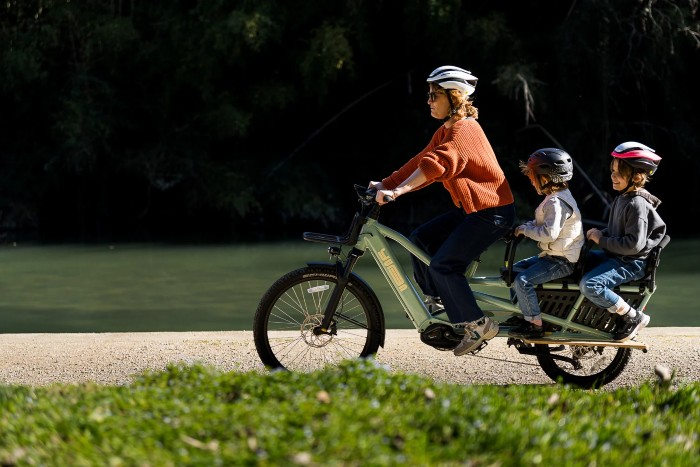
x: 462, y: 158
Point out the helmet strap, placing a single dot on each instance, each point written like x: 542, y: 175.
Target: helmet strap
x: 547, y: 185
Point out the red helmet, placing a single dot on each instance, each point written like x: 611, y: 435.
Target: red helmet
x: 638, y: 156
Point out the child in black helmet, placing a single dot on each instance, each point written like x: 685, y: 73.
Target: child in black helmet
x: 557, y: 228
x: 634, y: 228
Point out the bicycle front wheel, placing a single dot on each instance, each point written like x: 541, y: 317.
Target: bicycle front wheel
x: 286, y: 322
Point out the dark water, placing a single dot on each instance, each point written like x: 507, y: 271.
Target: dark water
x: 129, y: 288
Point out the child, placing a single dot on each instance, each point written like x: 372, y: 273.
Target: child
x: 557, y: 228
x: 634, y: 228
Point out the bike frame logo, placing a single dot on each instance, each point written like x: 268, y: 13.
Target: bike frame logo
x: 394, y: 274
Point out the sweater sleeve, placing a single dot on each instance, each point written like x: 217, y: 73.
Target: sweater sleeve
x: 405, y: 171
x: 462, y: 159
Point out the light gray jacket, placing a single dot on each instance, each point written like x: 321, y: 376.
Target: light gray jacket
x: 557, y: 227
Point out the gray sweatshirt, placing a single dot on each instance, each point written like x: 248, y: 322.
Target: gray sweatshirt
x: 634, y: 226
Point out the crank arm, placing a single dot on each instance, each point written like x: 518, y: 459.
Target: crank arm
x: 528, y: 350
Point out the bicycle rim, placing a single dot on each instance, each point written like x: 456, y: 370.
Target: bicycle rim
x: 287, y: 319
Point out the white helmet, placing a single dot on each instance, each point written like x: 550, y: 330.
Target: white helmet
x: 452, y: 77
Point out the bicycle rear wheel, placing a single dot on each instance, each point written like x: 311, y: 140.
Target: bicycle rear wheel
x: 595, y: 366
x: 293, y: 307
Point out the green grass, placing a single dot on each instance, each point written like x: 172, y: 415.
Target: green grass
x: 133, y: 287
x: 356, y: 414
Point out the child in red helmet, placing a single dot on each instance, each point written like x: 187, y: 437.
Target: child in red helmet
x: 634, y: 228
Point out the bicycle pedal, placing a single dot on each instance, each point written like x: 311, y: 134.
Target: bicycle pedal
x: 480, y: 348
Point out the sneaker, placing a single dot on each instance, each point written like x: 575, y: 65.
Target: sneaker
x: 513, y: 321
x: 527, y: 330
x: 629, y: 327
x: 645, y: 320
x: 434, y: 305
x: 476, y: 334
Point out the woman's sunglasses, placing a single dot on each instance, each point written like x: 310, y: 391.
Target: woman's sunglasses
x: 433, y: 95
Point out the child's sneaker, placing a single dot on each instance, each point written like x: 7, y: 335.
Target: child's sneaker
x: 476, y: 333
x: 527, y: 330
x: 645, y: 320
x: 631, y: 326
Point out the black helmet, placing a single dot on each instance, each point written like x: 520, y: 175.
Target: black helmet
x: 638, y: 156
x: 553, y: 162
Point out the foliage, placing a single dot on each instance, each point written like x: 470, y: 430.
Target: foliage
x: 128, y: 117
x: 359, y: 413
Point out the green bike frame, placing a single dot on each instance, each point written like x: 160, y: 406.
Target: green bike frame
x: 374, y: 238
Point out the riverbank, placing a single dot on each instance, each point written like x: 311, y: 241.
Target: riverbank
x: 115, y: 358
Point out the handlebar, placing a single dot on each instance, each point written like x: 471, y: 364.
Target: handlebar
x: 370, y: 210
x: 364, y: 193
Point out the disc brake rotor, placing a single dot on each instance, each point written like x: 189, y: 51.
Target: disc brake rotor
x: 309, y: 334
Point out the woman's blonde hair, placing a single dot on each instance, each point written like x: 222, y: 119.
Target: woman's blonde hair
x: 462, y: 105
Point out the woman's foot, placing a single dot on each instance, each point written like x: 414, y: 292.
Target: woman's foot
x: 477, y: 332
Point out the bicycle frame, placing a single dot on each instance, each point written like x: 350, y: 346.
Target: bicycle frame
x: 373, y: 238
x: 368, y: 234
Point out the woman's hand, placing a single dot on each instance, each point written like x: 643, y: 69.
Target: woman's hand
x: 381, y: 194
x: 376, y: 185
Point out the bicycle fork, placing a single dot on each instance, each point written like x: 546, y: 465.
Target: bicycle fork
x: 343, y: 272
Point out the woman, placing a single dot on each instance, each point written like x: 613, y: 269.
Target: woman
x: 461, y: 158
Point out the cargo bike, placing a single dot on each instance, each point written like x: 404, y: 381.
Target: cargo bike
x: 324, y: 313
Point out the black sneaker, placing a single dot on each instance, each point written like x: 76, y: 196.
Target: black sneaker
x: 629, y: 327
x: 527, y: 330
x: 515, y: 321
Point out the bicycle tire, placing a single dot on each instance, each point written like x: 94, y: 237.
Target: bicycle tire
x: 600, y: 365
x: 294, y: 305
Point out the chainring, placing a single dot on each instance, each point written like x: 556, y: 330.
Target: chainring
x: 441, y: 336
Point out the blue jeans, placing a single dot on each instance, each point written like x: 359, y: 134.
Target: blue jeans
x: 534, y: 271
x: 608, y: 272
x: 454, y: 240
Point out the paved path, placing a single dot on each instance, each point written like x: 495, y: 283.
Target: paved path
x: 114, y: 358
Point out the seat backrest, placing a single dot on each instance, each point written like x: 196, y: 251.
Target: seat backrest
x: 653, y: 263
x: 581, y: 263
x: 509, y: 258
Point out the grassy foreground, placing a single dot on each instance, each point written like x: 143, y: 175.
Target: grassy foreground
x: 356, y: 414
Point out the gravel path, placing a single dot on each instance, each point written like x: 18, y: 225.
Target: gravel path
x: 115, y: 358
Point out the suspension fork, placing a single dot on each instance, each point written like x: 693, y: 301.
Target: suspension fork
x: 343, y: 273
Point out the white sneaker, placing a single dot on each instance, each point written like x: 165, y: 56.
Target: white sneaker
x: 477, y: 332
x: 645, y: 321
